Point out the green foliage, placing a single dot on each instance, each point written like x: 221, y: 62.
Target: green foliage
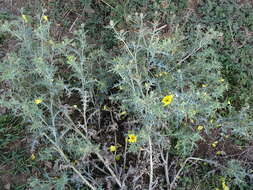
x: 234, y: 49
x: 10, y: 130
x: 13, y: 155
x: 158, y: 82
x: 150, y: 68
x: 237, y: 174
x: 58, y: 183
x: 39, y: 87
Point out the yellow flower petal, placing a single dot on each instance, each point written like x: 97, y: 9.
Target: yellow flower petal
x: 224, y: 186
x: 214, y: 144
x: 25, y: 18
x: 167, y: 99
x: 222, y: 80
x: 51, y: 42
x: 200, y: 127
x: 161, y: 74
x: 45, y: 18
x: 204, y: 85
x: 105, y: 108
x: 112, y: 148
x: 117, y: 157
x: 132, y: 138
x: 33, y: 157
x: 222, y: 153
x: 70, y: 59
x: 37, y: 101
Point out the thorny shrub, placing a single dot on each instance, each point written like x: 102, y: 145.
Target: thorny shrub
x: 113, y: 120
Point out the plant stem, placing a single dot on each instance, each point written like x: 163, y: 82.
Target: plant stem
x: 68, y: 161
x: 151, y: 163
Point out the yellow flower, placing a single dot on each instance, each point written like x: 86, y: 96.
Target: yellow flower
x: 25, y: 18
x: 51, y: 42
x: 200, y: 127
x: 222, y: 153
x: 112, y: 148
x: 70, y: 59
x: 120, y: 87
x: 132, y: 138
x: 204, y: 85
x: 45, y: 18
x: 222, y: 80
x: 75, y: 106
x: 214, y: 144
x: 224, y: 186
x: 147, y: 85
x: 32, y: 157
x: 105, y: 108
x: 117, y: 157
x: 167, y: 100
x: 37, y: 101
x: 161, y: 74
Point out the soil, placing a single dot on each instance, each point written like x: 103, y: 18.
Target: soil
x: 13, y: 6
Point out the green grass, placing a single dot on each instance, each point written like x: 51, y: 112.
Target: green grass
x: 14, y: 153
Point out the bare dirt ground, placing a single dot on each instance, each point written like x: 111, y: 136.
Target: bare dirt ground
x: 12, y: 6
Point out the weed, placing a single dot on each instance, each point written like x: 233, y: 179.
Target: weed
x: 163, y: 83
